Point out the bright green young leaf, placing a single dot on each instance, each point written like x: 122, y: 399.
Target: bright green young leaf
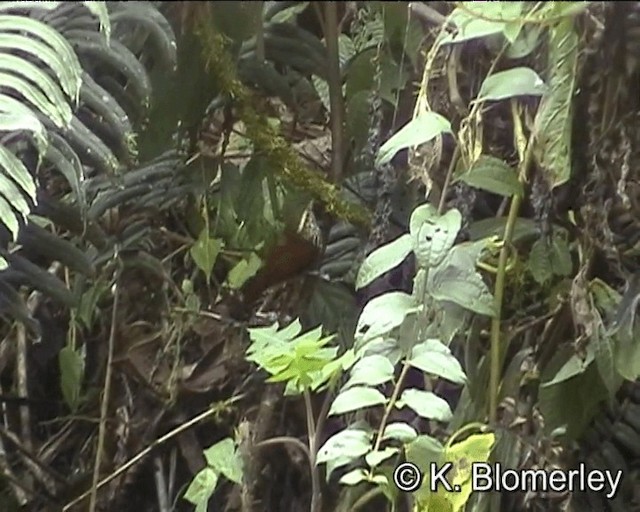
x: 399, y: 432
x: 417, y: 131
x: 205, y: 252
x: 357, y: 397
x: 201, y: 488
x: 512, y: 83
x: 383, y: 259
x: 554, y: 119
x: 224, y: 458
x: 463, y: 286
x: 424, y: 451
x: 425, y: 404
x: 372, y: 370
x: 493, y: 175
x: 243, y: 271
x: 434, y: 357
x: 71, y: 375
x: 384, y: 313
x: 435, y: 238
x: 475, y: 449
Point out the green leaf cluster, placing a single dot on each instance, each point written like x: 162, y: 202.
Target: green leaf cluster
x: 223, y: 459
x: 303, y: 361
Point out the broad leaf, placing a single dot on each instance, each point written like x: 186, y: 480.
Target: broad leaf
x: 425, y: 404
x: 71, y: 375
x: 372, y: 371
x: 474, y: 450
x: 224, y: 458
x: 383, y: 314
x: 344, y: 447
x: 205, y: 252
x: 554, y: 120
x: 201, y: 488
x: 493, y: 175
x: 357, y: 397
x: 383, y: 259
x: 374, y: 459
x: 512, y: 83
x: 463, y: 286
x: 419, y: 130
x: 481, y: 19
x: 244, y: 270
x: 399, y: 432
x: 354, y: 477
x: 434, y: 357
x: 435, y: 237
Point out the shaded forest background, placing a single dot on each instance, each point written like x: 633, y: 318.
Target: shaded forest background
x: 255, y: 255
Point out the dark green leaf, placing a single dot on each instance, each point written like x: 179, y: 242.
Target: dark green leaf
x: 493, y: 175
x: 71, y: 375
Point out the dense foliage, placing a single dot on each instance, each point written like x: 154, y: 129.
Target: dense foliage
x: 256, y: 255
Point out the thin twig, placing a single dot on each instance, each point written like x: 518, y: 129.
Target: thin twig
x: 284, y: 440
x: 336, y: 100
x: 105, y: 397
x: 143, y: 453
x: 316, y: 494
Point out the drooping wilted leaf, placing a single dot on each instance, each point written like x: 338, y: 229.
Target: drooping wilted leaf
x: 554, y: 119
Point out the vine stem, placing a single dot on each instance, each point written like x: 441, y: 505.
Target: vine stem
x: 498, y: 296
x: 104, y: 407
x: 316, y: 492
x: 391, y: 404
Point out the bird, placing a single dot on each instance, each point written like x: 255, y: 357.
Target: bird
x: 298, y: 250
